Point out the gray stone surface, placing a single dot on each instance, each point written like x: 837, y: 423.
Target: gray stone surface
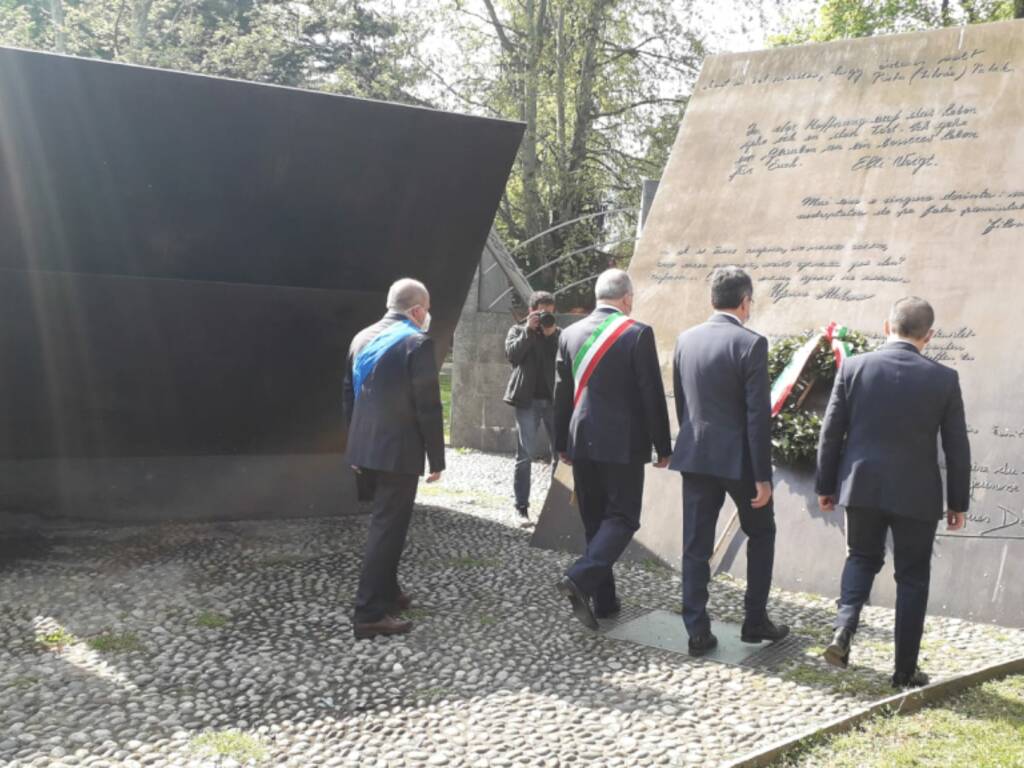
x: 241, y: 629
x: 480, y: 419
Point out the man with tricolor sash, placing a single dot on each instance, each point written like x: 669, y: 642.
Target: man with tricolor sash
x: 392, y: 402
x: 720, y: 377
x: 610, y: 411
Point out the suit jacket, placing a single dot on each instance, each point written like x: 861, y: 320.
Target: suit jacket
x: 723, y: 401
x: 398, y: 414
x: 878, y: 444
x: 622, y: 411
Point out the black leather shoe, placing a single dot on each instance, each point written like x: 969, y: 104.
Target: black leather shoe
x: 766, y: 630
x: 701, y: 644
x: 580, y: 603
x: 388, y: 625
x: 609, y: 613
x: 917, y: 679
x: 838, y: 652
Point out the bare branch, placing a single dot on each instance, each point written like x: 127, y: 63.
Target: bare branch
x: 453, y: 90
x: 499, y: 28
x: 117, y: 28
x: 642, y: 103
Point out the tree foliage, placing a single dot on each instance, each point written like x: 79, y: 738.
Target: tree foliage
x: 346, y: 46
x: 841, y: 19
x: 600, y: 85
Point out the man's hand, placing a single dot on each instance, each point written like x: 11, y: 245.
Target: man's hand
x: 433, y: 477
x: 764, y: 495
x: 533, y: 321
x: 827, y: 503
x: 564, y: 458
x: 955, y: 520
x: 662, y: 462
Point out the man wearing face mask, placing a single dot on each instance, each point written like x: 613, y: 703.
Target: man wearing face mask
x: 722, y: 397
x: 392, y: 404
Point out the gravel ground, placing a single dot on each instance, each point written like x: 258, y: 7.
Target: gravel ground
x: 228, y: 644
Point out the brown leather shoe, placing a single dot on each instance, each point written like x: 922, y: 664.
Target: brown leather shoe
x: 404, y: 601
x: 389, y: 625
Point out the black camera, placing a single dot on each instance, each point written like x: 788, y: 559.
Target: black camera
x: 547, y: 319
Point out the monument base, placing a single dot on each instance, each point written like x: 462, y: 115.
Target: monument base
x: 810, y: 547
x: 173, y: 489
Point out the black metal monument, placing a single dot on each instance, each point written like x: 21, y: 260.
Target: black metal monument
x: 183, y: 262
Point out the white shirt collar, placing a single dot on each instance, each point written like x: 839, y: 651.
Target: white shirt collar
x: 602, y: 305
x: 727, y: 314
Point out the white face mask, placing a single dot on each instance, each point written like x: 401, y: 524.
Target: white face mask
x: 426, y: 321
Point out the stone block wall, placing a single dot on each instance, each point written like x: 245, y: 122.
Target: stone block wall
x: 480, y: 419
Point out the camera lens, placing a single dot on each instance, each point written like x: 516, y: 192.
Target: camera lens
x: 547, y: 319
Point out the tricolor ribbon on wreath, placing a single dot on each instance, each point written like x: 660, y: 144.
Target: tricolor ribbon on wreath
x: 782, y: 387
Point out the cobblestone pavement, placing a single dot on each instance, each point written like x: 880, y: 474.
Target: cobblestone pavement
x: 228, y: 644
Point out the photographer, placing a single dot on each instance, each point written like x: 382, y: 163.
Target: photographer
x: 531, y: 348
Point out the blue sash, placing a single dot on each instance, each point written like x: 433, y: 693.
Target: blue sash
x: 368, y: 357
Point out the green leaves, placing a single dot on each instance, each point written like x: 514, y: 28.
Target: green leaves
x: 354, y: 47
x: 843, y: 19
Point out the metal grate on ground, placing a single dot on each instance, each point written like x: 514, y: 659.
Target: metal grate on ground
x: 664, y: 630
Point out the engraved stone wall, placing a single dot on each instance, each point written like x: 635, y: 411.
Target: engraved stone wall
x: 843, y: 176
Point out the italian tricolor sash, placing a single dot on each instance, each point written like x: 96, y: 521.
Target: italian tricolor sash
x: 835, y: 334
x: 595, y: 348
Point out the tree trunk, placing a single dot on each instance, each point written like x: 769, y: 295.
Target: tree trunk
x: 533, y: 205
x: 586, y: 111
x: 560, y: 55
x: 60, y: 42
x: 140, y: 28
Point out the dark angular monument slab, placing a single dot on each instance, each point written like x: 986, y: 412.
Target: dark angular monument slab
x: 184, y: 261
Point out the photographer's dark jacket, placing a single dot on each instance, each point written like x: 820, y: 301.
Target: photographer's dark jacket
x: 532, y: 356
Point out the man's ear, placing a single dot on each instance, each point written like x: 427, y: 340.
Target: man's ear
x: 928, y: 336
x: 886, y: 329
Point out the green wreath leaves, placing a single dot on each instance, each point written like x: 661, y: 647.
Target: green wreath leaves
x: 795, y: 430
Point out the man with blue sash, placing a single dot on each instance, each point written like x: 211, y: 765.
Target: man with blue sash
x: 393, y: 410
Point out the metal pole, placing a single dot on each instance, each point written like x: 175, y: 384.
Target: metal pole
x: 549, y: 230
x: 578, y: 282
x: 563, y: 257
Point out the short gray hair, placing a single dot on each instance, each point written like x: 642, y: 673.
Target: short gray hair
x: 407, y: 293
x: 729, y: 287
x: 911, y: 317
x: 613, y: 284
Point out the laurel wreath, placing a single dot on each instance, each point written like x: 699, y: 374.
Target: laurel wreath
x: 795, y: 429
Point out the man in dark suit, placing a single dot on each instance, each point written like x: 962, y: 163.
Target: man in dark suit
x: 878, y: 457
x: 722, y: 399
x: 393, y: 408
x: 609, y: 410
